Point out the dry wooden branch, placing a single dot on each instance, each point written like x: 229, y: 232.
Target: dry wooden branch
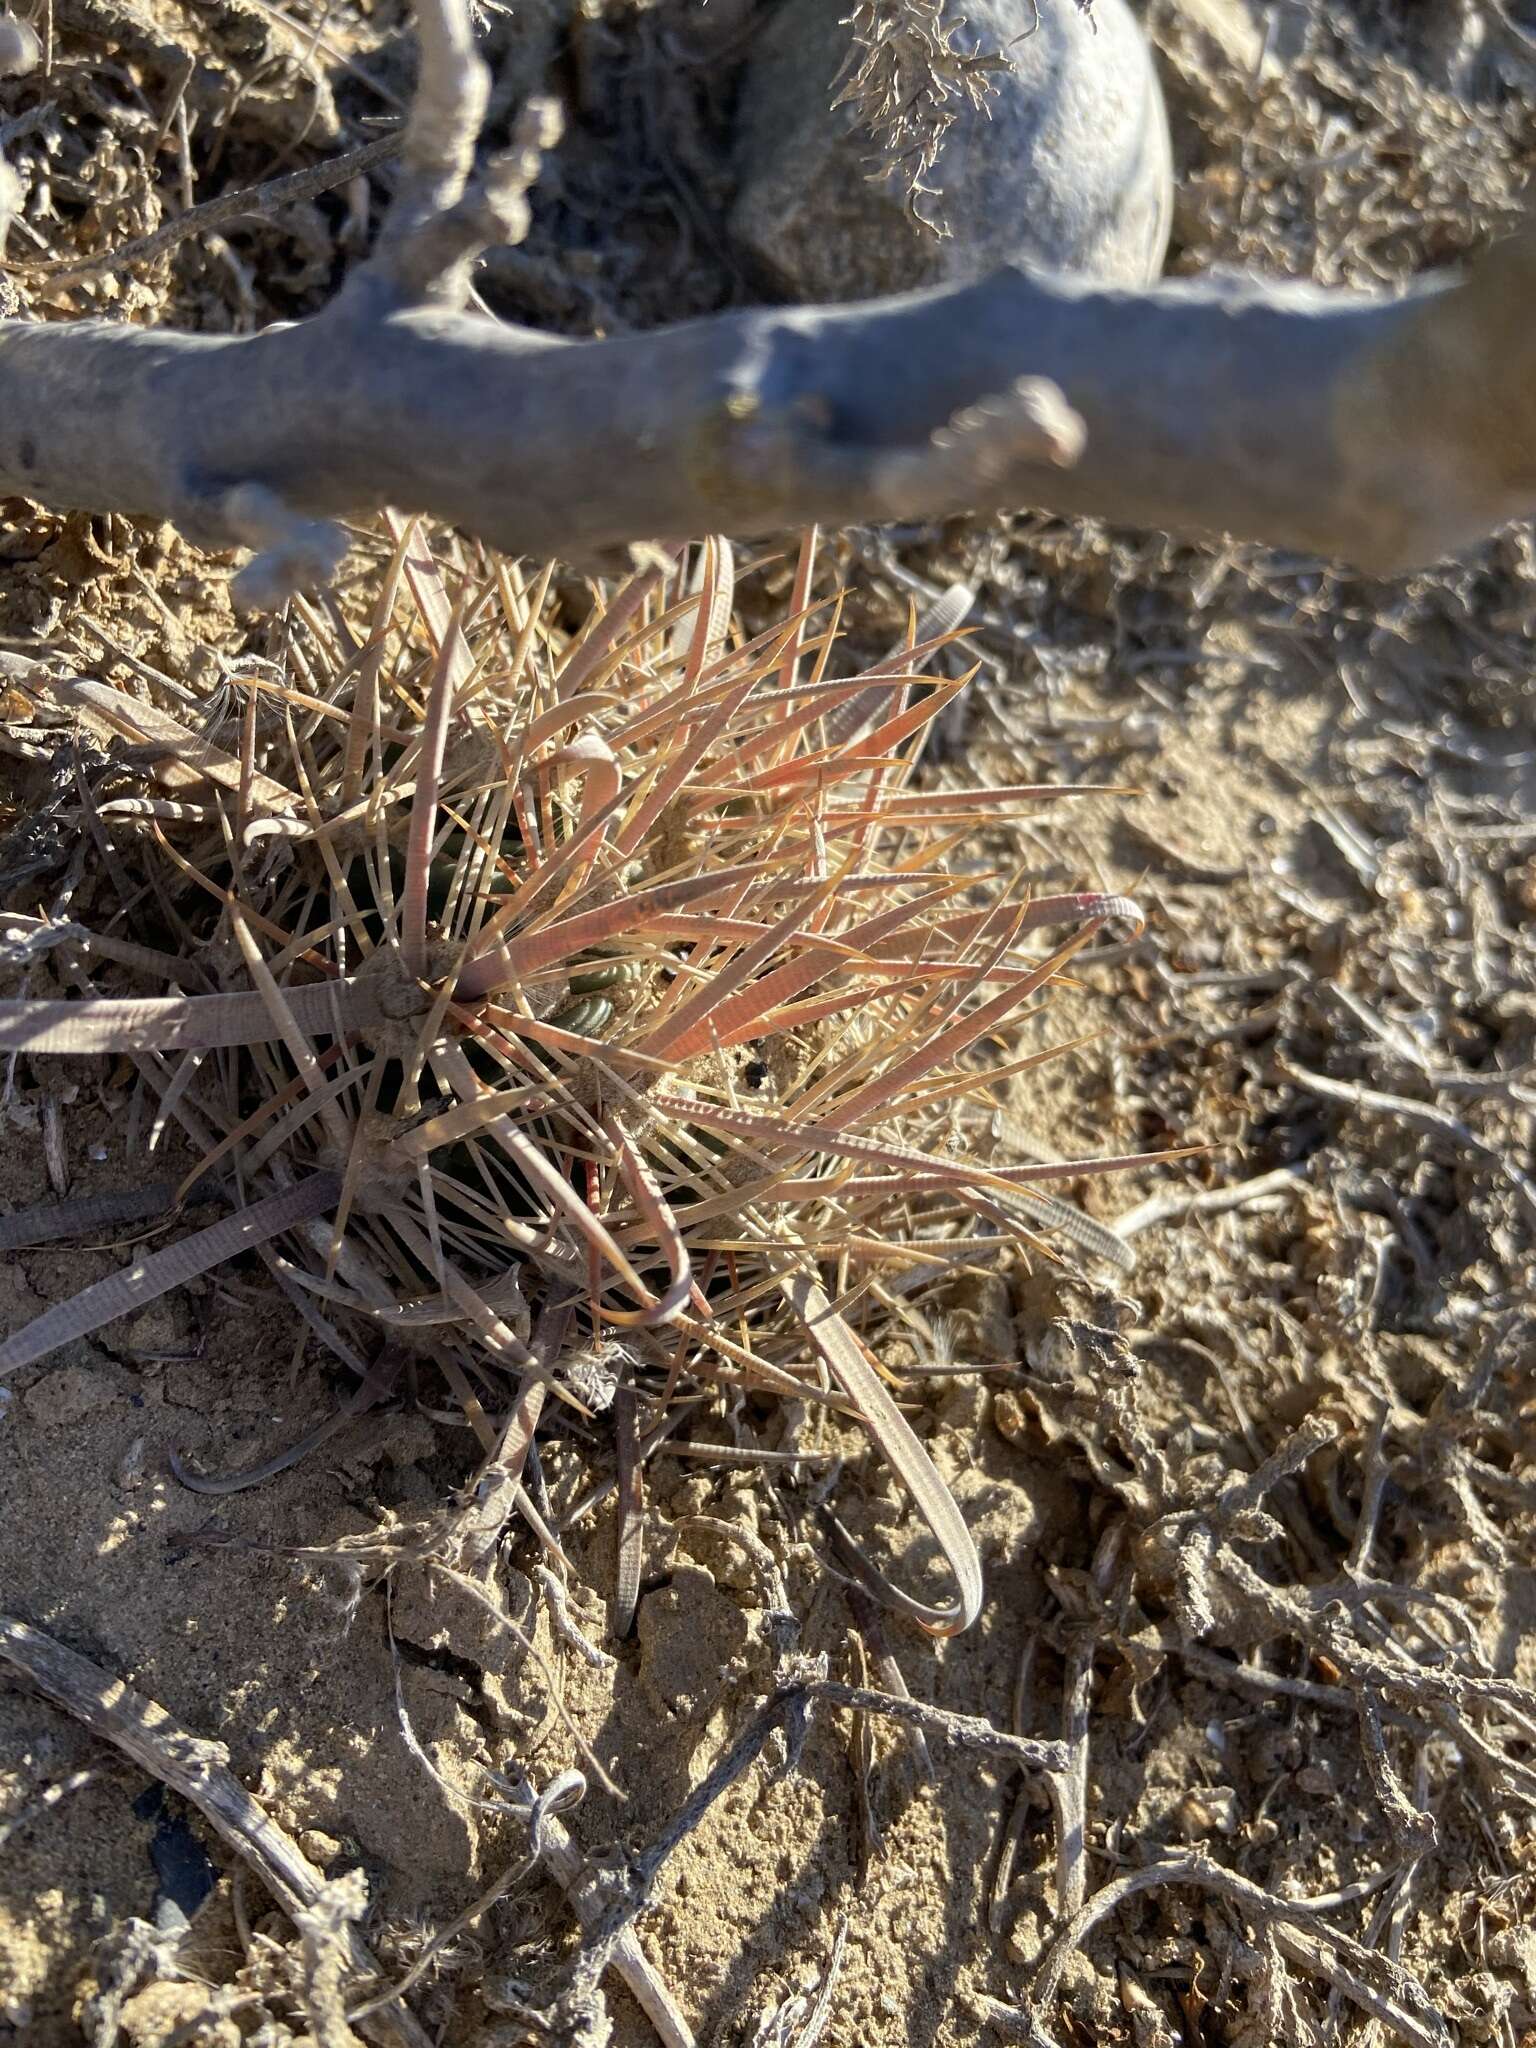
x: 1387, y: 431
x: 1428, y: 1117
x: 583, y: 1886
x: 1284, y: 1184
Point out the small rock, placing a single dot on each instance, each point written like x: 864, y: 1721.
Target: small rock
x: 1066, y: 168
x: 964, y: 1405
x: 1010, y: 1418
x: 1210, y: 1810
x: 693, y: 1496
x: 1028, y: 1935
x: 321, y: 1849
x: 128, y: 1474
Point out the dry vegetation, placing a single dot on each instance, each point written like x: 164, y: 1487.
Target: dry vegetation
x: 910, y: 71
x: 645, y: 945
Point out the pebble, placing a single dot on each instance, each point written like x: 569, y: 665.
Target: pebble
x: 1066, y: 168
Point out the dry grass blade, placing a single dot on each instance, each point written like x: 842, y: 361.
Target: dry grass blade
x: 938, y: 627
x: 187, y: 761
x: 849, y: 1365
x: 716, y: 593
x: 949, y: 1045
x: 657, y: 1211
x: 604, y: 628
x: 291, y: 1032
x: 630, y: 1542
x: 429, y: 768
x: 564, y: 940
x: 737, y: 1017
x: 84, y: 1215
x: 171, y: 1023
x: 146, y: 1279
x: 694, y: 1023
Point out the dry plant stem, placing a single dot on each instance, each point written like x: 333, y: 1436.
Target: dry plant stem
x: 255, y: 201
x: 790, y: 1709
x: 324, y: 1928
x: 553, y: 1587
x: 1068, y: 1789
x: 1226, y: 1671
x: 561, y: 1793
x: 800, y: 2020
x: 1412, y: 1830
x: 1243, y: 1494
x: 1387, y: 432
x: 196, y: 1769
x: 964, y: 1731
x: 1420, y: 1116
x: 1367, y: 1978
x: 1285, y: 1182
x: 1417, y: 1691
x: 1014, y: 1825
x: 496, y: 1492
x: 566, y: 1865
x: 870, y: 1624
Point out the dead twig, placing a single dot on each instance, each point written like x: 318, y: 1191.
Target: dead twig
x: 559, y: 1796
x: 556, y: 1847
x: 1068, y: 1789
x: 789, y: 1711
x: 1369, y: 1979
x: 252, y: 202
x: 1284, y: 1184
x: 325, y: 1932
x: 1419, y: 1116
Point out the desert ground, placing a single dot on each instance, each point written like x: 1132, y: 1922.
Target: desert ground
x: 1297, y: 1708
